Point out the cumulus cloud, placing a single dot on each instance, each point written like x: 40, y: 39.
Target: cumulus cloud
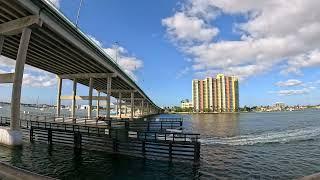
x: 187, y: 28
x: 310, y: 59
x: 32, y: 77
x: 293, y: 92
x: 129, y: 63
x: 275, y: 33
x: 289, y: 82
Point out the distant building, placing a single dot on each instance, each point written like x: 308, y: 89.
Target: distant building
x: 279, y: 106
x: 186, y: 104
x: 220, y: 94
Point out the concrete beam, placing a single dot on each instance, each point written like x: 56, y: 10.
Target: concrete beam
x: 87, y: 75
x: 94, y: 98
x: 16, y: 26
x: 135, y: 99
x: 6, y: 78
x: 118, y: 90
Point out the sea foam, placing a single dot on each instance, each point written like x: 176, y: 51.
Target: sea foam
x: 269, y: 137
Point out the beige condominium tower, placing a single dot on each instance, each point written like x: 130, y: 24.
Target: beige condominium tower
x: 220, y: 94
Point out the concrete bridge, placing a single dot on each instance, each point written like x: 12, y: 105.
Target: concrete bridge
x: 33, y: 32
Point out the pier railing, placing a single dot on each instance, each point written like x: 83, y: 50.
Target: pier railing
x: 145, y: 124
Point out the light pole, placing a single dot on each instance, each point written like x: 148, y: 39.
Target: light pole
x: 116, y: 45
x: 78, y: 14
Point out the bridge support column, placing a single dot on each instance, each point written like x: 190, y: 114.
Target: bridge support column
x: 1, y: 43
x: 142, y: 108
x: 98, y: 105
x: 148, y: 108
x: 74, y: 93
x: 59, y: 96
x: 18, y: 76
x: 120, y: 104
x: 13, y: 136
x: 90, y: 98
x: 109, y: 81
x: 126, y: 110
x: 132, y: 106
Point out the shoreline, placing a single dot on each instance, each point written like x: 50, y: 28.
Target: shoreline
x: 11, y: 172
x: 203, y: 113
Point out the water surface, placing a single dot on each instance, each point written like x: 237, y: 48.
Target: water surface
x: 279, y: 145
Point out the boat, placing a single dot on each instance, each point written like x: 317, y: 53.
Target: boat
x: 0, y: 107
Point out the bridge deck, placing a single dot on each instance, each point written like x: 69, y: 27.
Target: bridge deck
x: 61, y: 48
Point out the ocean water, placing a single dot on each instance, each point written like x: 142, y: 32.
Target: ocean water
x: 277, y: 145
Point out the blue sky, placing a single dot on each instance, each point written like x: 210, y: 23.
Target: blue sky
x: 165, y: 44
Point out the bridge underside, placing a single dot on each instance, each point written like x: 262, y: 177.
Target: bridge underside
x: 35, y: 33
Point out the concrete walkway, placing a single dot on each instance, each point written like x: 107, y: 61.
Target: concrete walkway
x: 8, y: 172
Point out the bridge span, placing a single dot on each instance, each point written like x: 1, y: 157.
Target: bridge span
x: 34, y: 32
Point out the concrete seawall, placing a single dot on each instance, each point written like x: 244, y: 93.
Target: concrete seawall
x: 9, y: 172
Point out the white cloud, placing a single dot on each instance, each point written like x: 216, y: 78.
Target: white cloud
x: 310, y: 59
x: 33, y: 77
x: 293, y: 92
x: 289, y: 82
x: 129, y: 63
x: 43, y: 80
x: 187, y: 28
x: 275, y: 33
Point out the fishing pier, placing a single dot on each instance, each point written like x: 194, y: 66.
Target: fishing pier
x: 157, y: 138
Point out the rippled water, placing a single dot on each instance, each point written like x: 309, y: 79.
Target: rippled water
x: 280, y: 145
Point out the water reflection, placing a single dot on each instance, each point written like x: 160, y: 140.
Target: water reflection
x: 65, y: 163
x: 217, y: 125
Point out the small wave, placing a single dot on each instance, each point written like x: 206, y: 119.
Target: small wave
x: 271, y: 137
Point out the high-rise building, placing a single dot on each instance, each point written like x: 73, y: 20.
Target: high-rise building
x: 220, y: 94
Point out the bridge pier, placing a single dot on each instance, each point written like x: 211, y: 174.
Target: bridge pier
x: 142, y: 108
x: 90, y: 97
x: 132, y: 106
x: 13, y: 136
x: 74, y: 93
x: 59, y: 96
x: 98, y: 105
x: 109, y: 81
x: 120, y: 104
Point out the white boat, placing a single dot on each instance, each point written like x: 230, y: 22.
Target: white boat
x: 0, y: 107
